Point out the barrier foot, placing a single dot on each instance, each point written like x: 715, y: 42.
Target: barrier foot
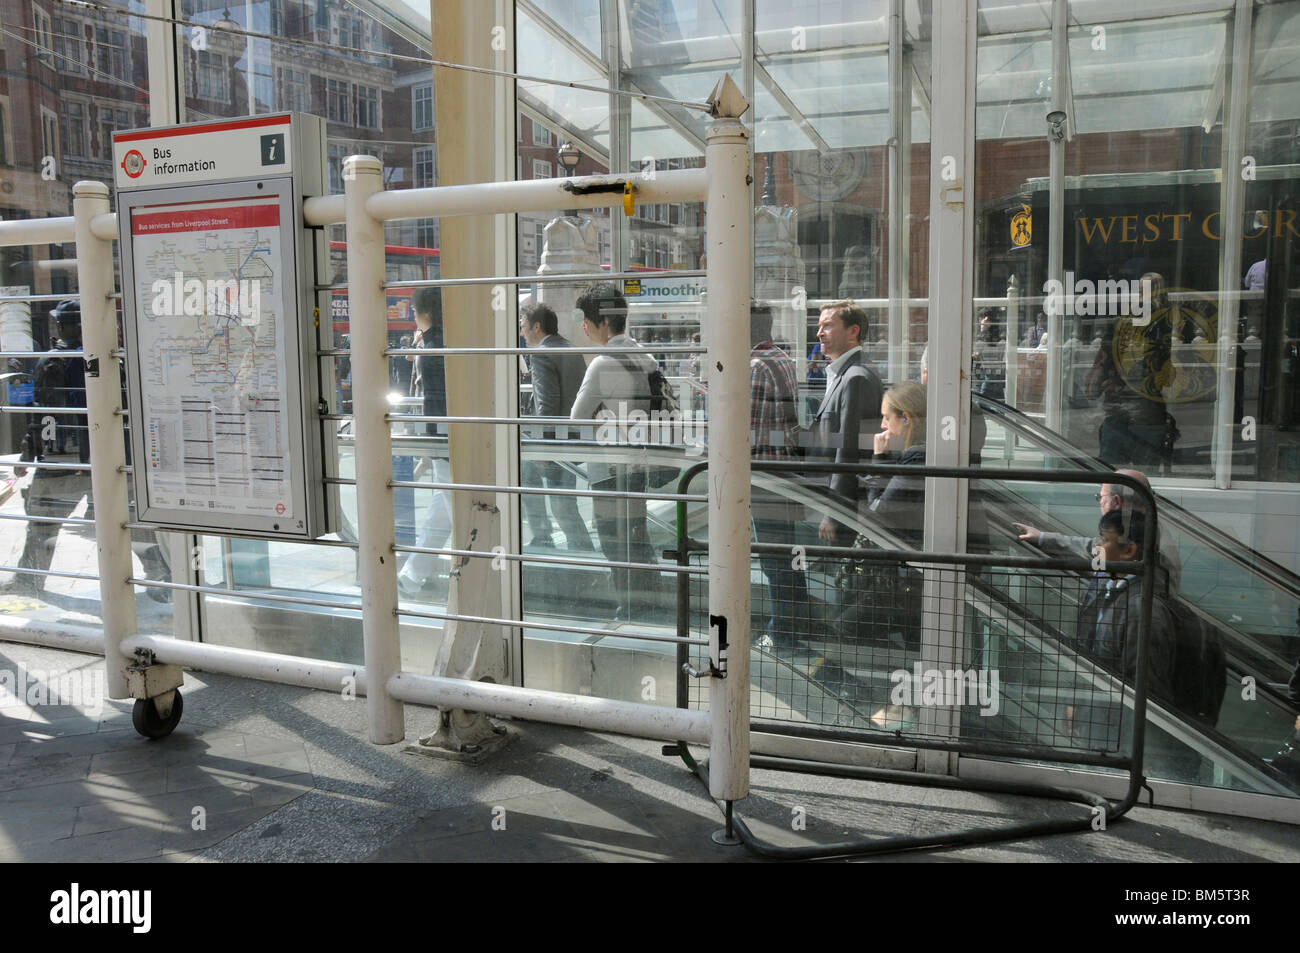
x: 462, y: 736
x: 727, y: 836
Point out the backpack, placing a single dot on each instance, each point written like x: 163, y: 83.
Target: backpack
x: 1200, y: 667
x: 663, y: 403
x: 660, y: 392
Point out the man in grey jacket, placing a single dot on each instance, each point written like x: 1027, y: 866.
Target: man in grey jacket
x: 556, y: 373
x: 845, y: 424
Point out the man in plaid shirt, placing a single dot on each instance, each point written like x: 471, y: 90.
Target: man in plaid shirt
x: 773, y: 423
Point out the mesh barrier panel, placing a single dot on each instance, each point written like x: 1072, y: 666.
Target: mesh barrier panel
x: 1037, y: 667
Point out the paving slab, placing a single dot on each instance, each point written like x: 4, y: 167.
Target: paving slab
x: 287, y: 774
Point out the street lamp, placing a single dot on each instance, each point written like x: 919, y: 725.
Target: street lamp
x: 569, y: 156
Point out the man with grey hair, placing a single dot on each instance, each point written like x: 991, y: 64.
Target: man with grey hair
x: 1111, y: 497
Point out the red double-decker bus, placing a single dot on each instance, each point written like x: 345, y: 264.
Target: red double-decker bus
x: 402, y: 263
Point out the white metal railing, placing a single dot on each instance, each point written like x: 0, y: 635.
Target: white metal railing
x: 363, y: 208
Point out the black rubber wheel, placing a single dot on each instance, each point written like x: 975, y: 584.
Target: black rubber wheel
x: 146, y: 720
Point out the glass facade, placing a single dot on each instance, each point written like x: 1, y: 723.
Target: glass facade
x: 1132, y: 302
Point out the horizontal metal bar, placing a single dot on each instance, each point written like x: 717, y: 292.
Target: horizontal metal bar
x: 555, y: 560
x: 50, y: 572
x: 220, y: 535
x: 525, y: 421
x: 42, y: 465
x: 543, y: 491
x: 548, y: 627
x: 72, y: 520
x: 41, y: 297
x: 876, y: 736
x: 38, y: 231
x: 581, y: 711
x: 994, y: 561
x: 34, y: 409
x: 39, y: 354
x: 508, y: 351
x: 245, y: 594
x: 249, y: 663
x: 534, y: 279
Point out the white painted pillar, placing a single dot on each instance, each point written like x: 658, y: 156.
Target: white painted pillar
x: 368, y: 306
x: 730, y: 251
x: 104, y: 423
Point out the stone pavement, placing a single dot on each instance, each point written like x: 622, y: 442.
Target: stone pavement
x: 263, y: 772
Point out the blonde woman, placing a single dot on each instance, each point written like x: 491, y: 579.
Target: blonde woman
x: 899, y: 501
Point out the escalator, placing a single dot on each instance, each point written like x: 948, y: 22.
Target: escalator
x: 831, y: 685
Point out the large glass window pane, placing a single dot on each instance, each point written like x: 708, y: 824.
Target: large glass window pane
x: 1158, y: 340
x: 72, y: 76
x: 374, y: 103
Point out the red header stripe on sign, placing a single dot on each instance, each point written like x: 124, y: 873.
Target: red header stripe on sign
x: 201, y: 219
x: 196, y: 130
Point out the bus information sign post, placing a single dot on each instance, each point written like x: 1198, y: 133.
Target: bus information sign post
x: 222, y: 326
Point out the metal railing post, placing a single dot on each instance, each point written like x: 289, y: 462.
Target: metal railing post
x: 368, y: 307
x: 730, y: 250
x: 104, y: 424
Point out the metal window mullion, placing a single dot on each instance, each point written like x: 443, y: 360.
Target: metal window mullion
x: 950, y: 316
x: 1232, y: 203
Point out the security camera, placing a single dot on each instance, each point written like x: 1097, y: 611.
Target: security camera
x: 1056, y: 124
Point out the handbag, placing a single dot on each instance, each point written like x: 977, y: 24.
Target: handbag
x: 879, y: 601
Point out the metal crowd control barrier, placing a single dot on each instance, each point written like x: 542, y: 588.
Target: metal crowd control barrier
x: 364, y: 207
x: 877, y: 635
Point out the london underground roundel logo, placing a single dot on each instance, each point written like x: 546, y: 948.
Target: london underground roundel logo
x: 133, y: 163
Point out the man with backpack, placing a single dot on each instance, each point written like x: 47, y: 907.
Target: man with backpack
x: 618, y: 384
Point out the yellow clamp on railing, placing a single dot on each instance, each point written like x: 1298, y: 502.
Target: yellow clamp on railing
x: 629, y: 199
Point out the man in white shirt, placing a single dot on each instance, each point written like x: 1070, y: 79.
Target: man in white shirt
x: 618, y: 384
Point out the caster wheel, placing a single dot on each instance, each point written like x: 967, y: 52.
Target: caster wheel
x: 147, y: 721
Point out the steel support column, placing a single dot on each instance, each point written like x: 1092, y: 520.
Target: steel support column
x: 104, y: 423
x: 730, y: 253
x: 368, y: 305
x: 952, y: 234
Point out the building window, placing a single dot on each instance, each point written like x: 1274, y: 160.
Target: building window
x: 541, y: 169
x: 110, y: 121
x: 336, y: 156
x: 423, y: 161
x: 214, y: 81
x: 43, y: 36
x: 74, y: 129
x: 422, y: 107
x: 295, y: 91
x: 339, y: 101
x: 368, y: 107
x: 541, y: 135
x: 5, y: 149
x: 110, y: 48
x: 67, y: 46
x: 49, y: 133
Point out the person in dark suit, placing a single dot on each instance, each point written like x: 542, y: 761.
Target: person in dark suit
x: 845, y: 424
x: 556, y: 376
